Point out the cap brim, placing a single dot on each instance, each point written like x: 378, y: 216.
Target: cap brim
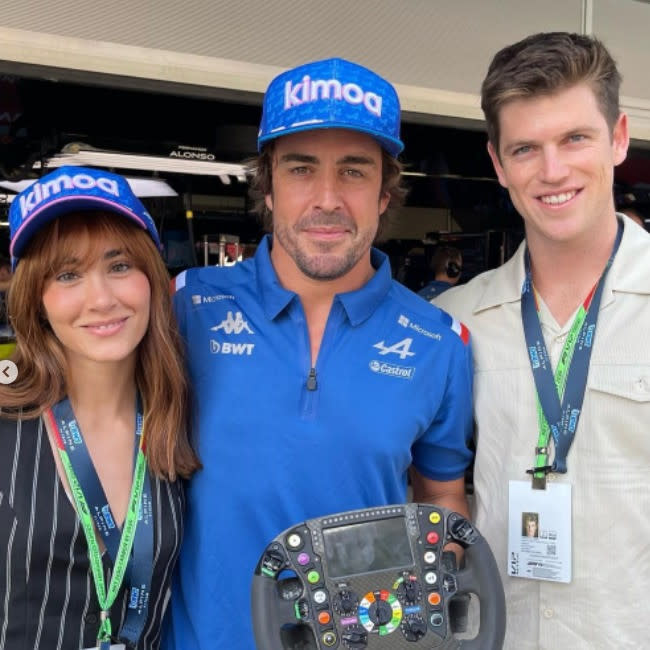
x: 57, y: 208
x: 393, y: 146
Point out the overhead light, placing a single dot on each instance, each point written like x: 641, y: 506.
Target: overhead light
x: 142, y: 187
x: 111, y: 159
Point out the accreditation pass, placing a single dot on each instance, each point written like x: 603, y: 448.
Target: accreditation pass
x: 539, y: 531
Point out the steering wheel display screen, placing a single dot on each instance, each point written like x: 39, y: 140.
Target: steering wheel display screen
x: 371, y: 546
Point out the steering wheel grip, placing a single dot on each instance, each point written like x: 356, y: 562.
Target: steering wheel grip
x: 481, y: 577
x: 271, y: 613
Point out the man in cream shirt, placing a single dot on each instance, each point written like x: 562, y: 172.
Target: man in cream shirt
x: 555, y: 135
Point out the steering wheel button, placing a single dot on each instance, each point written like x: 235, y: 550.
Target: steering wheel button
x: 303, y: 559
x: 324, y: 618
x: 320, y: 597
x: 313, y: 577
x: 294, y: 540
x: 433, y: 537
x: 329, y: 639
x: 436, y: 619
x: 429, y: 557
x: 430, y: 578
x: 434, y: 517
x: 434, y: 598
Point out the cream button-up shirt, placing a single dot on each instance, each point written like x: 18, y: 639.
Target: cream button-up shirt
x: 607, y: 604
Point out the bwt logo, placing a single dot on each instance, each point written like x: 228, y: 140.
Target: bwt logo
x: 534, y: 359
x: 231, y: 348
x: 106, y: 513
x: 309, y: 90
x: 42, y: 191
x: 573, y: 420
x: 589, y: 336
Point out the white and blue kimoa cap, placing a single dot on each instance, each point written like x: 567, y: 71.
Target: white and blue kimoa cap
x: 72, y: 189
x: 332, y: 94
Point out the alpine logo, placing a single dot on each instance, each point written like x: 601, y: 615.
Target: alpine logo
x: 401, y: 348
x: 233, y: 324
x: 392, y: 370
x: 42, y: 191
x: 237, y: 349
x: 312, y: 90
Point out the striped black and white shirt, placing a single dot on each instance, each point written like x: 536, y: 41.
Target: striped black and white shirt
x: 47, y: 593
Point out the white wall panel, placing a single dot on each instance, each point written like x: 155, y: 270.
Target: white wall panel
x: 435, y: 51
x: 624, y: 26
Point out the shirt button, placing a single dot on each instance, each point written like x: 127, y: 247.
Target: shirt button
x: 91, y: 619
x: 548, y: 613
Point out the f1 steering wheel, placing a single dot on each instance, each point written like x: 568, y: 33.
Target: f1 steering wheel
x: 376, y: 579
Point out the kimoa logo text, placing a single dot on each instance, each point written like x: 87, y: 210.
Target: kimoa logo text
x: 42, y: 191
x: 311, y: 90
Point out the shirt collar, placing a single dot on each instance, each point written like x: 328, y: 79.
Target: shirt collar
x: 274, y: 296
x: 629, y: 271
x: 631, y: 266
x: 506, y: 282
x: 358, y: 305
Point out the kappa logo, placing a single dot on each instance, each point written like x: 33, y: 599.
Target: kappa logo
x: 401, y: 348
x: 237, y: 349
x: 233, y: 324
x: 44, y: 190
x: 312, y: 90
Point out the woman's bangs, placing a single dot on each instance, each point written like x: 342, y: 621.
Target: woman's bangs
x: 79, y: 240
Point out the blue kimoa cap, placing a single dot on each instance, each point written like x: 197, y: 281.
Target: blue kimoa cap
x: 331, y: 94
x: 72, y: 189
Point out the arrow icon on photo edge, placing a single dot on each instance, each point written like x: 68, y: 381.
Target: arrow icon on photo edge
x: 8, y: 372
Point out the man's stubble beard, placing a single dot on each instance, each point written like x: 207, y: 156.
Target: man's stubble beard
x: 324, y: 265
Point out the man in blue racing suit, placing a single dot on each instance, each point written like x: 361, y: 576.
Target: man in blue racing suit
x: 320, y: 382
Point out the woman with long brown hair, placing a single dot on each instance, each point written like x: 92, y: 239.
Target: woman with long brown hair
x: 93, y: 431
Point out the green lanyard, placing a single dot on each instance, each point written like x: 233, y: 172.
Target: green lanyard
x: 561, y: 373
x: 105, y: 599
